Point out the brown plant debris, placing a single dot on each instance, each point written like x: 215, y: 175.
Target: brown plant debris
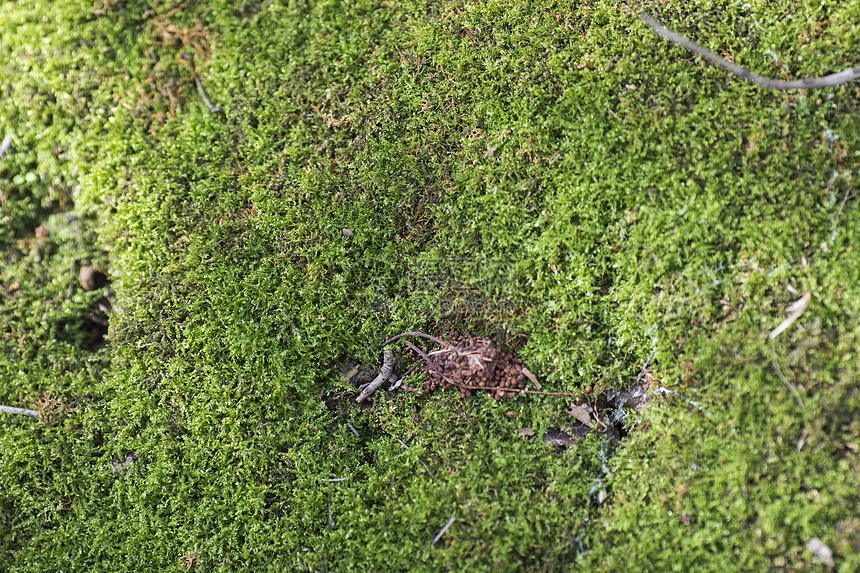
x: 49, y: 409
x: 470, y: 363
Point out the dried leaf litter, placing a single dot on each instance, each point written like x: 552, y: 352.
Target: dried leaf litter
x: 470, y: 363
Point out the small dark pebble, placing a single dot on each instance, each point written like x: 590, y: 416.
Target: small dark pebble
x: 91, y: 279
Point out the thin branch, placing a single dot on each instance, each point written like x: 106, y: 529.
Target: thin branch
x: 208, y: 103
x: 426, y: 358
x: 848, y: 195
x: 421, y: 334
x: 354, y: 431
x: 444, y: 529
x: 516, y: 390
x: 22, y: 411
x: 384, y: 373
x: 830, y: 80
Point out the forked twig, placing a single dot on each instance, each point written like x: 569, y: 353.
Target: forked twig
x: 384, y: 373
x: 827, y: 81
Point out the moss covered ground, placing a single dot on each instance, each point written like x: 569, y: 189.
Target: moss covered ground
x: 550, y: 174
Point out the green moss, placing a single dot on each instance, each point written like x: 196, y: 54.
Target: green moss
x: 555, y: 176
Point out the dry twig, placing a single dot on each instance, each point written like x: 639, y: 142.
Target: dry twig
x: 444, y: 529
x: 354, y: 431
x: 830, y: 80
x: 384, y: 373
x: 421, y: 334
x: 23, y: 411
x: 421, y: 353
x: 208, y: 103
x: 792, y: 313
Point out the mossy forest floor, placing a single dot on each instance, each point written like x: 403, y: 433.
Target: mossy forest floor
x: 552, y: 175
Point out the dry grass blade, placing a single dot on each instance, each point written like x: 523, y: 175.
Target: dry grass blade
x: 532, y: 377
